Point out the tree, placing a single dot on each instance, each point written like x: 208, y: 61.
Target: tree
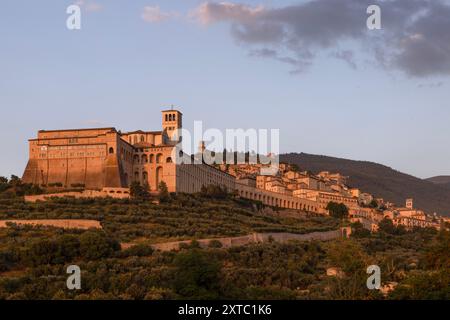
x: 4, y: 185
x: 95, y: 245
x: 164, y: 195
x: 139, y: 192
x: 337, y: 210
x: 214, y: 192
x: 196, y: 275
x: 373, y: 204
x: 387, y: 226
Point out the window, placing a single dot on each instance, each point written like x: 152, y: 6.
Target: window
x: 169, y: 160
x: 111, y: 150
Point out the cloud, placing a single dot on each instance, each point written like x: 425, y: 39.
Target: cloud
x: 431, y: 85
x: 89, y: 6
x: 414, y: 37
x: 155, y: 15
x: 225, y: 11
x: 347, y: 56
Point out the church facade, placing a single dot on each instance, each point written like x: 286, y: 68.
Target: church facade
x: 107, y: 158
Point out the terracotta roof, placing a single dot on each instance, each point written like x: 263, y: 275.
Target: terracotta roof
x: 86, y: 129
x: 142, y: 132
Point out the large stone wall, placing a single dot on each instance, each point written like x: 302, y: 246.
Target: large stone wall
x: 116, y: 193
x: 255, y: 238
x: 280, y: 200
x: 64, y: 224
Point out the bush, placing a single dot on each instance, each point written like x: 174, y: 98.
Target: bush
x: 95, y: 245
x: 196, y: 276
x: 139, y: 250
x: 215, y: 244
x: 337, y: 210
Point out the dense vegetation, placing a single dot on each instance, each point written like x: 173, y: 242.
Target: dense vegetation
x: 34, y: 260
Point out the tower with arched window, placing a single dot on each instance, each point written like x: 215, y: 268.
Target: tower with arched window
x: 172, y: 121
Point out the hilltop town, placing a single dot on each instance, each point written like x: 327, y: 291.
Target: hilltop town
x: 105, y: 162
x: 324, y: 188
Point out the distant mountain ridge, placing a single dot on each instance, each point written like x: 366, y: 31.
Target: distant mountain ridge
x: 379, y: 180
x: 441, y: 180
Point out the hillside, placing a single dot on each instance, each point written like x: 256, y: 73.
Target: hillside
x: 34, y: 260
x: 379, y: 180
x: 441, y: 180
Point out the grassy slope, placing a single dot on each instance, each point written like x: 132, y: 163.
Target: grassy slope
x: 187, y: 217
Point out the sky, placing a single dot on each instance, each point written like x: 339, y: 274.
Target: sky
x: 309, y: 68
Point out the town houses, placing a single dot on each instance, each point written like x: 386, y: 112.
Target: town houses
x: 295, y: 189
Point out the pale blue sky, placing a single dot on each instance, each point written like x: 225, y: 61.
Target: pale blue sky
x: 120, y: 70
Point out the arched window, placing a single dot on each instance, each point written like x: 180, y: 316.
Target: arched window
x: 169, y: 160
x: 142, y: 138
x: 136, y: 159
x: 111, y: 150
x: 145, y: 176
x: 174, y: 117
x: 170, y: 117
x: 167, y: 117
x: 136, y: 176
x: 151, y: 158
x: 144, y: 158
x: 158, y: 158
x: 159, y: 176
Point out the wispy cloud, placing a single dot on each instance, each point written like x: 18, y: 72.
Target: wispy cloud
x: 154, y: 14
x: 89, y: 6
x: 414, y: 39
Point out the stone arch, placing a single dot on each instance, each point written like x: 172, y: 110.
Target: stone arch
x: 159, y: 176
x: 145, y: 177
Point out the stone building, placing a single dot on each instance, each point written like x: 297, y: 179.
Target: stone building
x: 107, y: 158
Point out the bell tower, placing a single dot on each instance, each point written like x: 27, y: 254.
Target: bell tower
x: 172, y: 121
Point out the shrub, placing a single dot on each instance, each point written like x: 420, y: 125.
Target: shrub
x: 95, y: 245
